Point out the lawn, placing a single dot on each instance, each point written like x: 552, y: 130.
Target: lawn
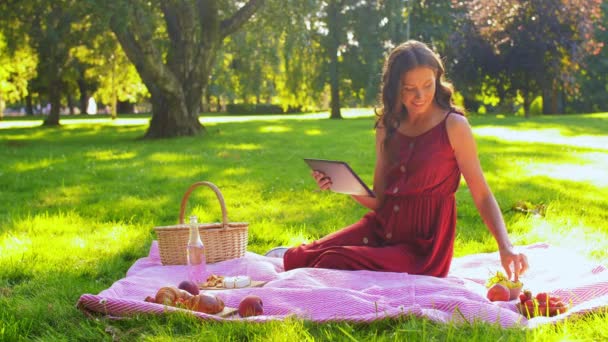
x: 79, y: 204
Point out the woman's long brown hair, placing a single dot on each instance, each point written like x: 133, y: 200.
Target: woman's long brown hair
x: 403, y: 58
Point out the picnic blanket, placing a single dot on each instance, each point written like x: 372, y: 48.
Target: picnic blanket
x: 324, y: 295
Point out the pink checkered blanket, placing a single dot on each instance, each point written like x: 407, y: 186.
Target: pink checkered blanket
x: 323, y: 295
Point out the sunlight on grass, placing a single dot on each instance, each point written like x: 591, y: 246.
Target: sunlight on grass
x: 76, y: 241
x: 110, y: 155
x: 22, y: 166
x: 243, y: 147
x: 545, y: 136
x: 235, y: 171
x: 167, y: 157
x: 275, y: 129
x: 76, y: 122
x: 11, y: 245
x: 313, y: 132
x: 347, y: 113
x: 177, y: 170
x: 569, y: 233
x: 593, y: 168
x: 65, y: 195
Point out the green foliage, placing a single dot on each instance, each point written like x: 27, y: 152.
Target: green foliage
x: 536, y: 107
x: 109, y: 68
x: 592, y: 80
x: 532, y: 48
x: 82, y: 203
x: 16, y: 69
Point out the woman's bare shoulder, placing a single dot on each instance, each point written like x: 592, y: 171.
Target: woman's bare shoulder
x: 457, y: 123
x: 459, y: 130
x: 455, y: 119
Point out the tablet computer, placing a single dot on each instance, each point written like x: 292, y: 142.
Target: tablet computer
x: 344, y: 179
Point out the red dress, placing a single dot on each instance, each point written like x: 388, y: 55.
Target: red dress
x: 414, y: 230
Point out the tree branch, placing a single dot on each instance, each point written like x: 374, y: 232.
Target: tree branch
x: 230, y: 25
x: 146, y: 58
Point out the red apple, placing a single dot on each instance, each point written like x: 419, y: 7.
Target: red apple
x: 498, y: 292
x: 251, y: 306
x: 514, y: 292
x: 189, y: 286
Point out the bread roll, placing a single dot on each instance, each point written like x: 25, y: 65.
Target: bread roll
x: 205, y: 303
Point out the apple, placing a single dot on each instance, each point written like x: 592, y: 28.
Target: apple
x: 514, y: 292
x: 251, y: 306
x: 189, y: 286
x: 498, y: 292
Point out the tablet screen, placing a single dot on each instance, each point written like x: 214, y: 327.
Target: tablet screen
x: 344, y: 179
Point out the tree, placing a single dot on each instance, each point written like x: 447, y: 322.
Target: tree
x: 539, y: 44
x: 593, y: 78
x: 16, y: 69
x: 173, y: 45
x: 105, y: 65
x: 50, y: 28
x: 334, y: 25
x: 363, y: 52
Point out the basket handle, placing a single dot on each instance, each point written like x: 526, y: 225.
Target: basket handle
x: 182, y: 207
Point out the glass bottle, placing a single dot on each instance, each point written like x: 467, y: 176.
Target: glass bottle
x: 197, y: 264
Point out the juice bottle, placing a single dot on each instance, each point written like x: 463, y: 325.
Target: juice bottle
x: 197, y: 264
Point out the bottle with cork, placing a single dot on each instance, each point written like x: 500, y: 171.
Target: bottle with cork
x: 197, y: 265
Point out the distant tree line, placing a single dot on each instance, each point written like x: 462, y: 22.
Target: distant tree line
x: 188, y: 56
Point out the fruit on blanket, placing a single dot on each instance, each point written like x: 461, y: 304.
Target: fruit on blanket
x: 542, y: 297
x: 251, y: 306
x: 169, y: 295
x: 513, y: 286
x: 205, y: 303
x: 498, y: 292
x: 189, y: 286
x: 543, y: 304
x: 522, y: 298
x: 514, y: 292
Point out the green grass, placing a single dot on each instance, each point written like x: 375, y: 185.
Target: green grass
x: 79, y: 203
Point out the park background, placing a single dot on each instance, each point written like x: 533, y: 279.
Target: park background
x: 241, y: 86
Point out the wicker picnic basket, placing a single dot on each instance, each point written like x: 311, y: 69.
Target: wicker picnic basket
x: 223, y: 240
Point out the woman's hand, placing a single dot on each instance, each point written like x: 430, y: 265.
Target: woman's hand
x: 323, y: 181
x: 514, y: 263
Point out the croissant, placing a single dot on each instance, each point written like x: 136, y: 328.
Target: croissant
x: 205, y: 303
x: 170, y: 295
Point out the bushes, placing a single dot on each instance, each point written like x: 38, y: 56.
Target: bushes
x: 262, y: 108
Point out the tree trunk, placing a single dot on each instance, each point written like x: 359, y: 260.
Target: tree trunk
x: 547, y: 99
x: 176, y: 80
x: 55, y: 99
x: 29, y: 107
x: 84, y: 98
x: 553, y: 99
x: 170, y: 118
x: 334, y: 43
x: 2, y: 105
x: 70, y: 103
x: 525, y: 94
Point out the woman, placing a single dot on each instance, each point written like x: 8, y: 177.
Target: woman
x: 423, y: 145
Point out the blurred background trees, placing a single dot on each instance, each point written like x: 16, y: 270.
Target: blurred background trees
x: 172, y: 58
